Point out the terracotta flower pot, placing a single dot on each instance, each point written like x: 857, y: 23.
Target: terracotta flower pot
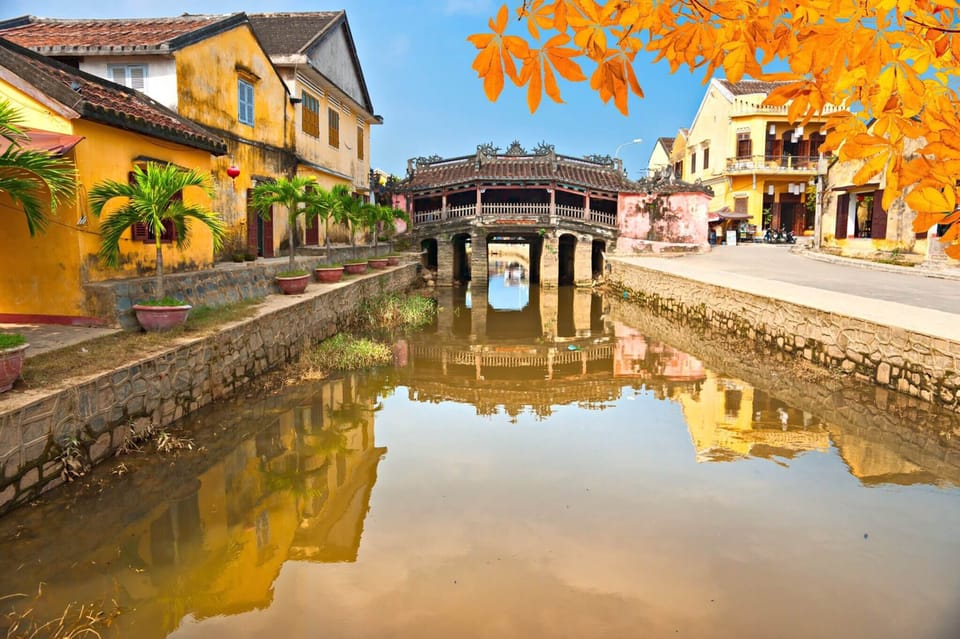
x: 328, y: 274
x: 377, y: 262
x: 393, y: 260
x: 293, y: 285
x: 161, y: 318
x: 355, y: 269
x: 11, y: 363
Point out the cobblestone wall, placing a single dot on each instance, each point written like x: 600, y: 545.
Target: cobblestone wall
x: 113, y: 300
x: 911, y: 363
x: 91, y: 420
x: 918, y: 432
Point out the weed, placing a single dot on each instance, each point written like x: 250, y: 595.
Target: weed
x: 76, y: 621
x: 392, y: 311
x: 72, y: 464
x: 345, y: 352
x: 168, y: 443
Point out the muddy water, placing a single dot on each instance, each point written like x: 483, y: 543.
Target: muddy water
x: 575, y: 468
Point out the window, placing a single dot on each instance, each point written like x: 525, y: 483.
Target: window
x: 311, y: 115
x: 678, y: 170
x: 744, y: 145
x: 693, y: 163
x: 359, y: 142
x: 333, y: 128
x: 244, y: 102
x: 706, y: 158
x: 129, y: 75
x: 861, y: 214
x: 140, y: 232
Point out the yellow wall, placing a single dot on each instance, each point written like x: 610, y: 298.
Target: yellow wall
x: 44, y: 275
x: 207, y: 74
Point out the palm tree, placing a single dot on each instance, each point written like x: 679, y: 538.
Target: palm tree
x: 355, y: 211
x: 326, y: 205
x: 26, y: 173
x: 153, y: 198
x: 296, y: 193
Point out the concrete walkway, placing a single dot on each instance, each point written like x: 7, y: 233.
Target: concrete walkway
x: 44, y: 338
x: 904, y: 297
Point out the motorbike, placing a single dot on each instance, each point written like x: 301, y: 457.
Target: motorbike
x: 771, y: 236
x: 786, y: 236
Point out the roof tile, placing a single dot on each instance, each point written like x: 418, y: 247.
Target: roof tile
x: 289, y: 33
x: 46, y: 33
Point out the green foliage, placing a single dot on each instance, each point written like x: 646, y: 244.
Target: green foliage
x: 296, y: 272
x: 330, y: 265
x: 26, y: 174
x: 152, y: 199
x: 11, y: 340
x: 394, y: 311
x: 345, y: 352
x: 298, y: 194
x: 163, y: 301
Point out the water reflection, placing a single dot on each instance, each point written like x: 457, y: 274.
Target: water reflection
x: 266, y: 526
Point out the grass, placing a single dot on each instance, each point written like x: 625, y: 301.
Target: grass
x: 76, y: 622
x: 332, y: 265
x: 165, y: 301
x: 11, y: 340
x: 344, y: 352
x: 392, y: 312
x: 89, y: 357
x: 299, y: 272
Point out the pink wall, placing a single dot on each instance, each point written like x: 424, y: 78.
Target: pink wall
x: 682, y: 222
x: 400, y: 202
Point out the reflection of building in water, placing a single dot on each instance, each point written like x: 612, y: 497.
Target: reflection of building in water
x: 728, y: 419
x: 298, y: 489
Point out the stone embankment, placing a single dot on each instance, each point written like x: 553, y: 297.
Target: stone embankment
x: 904, y: 360
x: 88, y: 421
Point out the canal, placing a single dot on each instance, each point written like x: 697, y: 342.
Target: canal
x: 536, y: 464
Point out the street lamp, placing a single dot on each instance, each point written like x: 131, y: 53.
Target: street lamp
x: 616, y: 153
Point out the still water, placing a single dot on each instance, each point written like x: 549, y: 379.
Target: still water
x: 571, y: 468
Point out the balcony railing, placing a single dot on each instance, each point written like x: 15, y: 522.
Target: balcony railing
x: 773, y: 164
x: 542, y: 212
x: 743, y: 108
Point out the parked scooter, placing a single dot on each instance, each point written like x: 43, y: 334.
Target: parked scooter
x: 771, y: 236
x: 786, y: 236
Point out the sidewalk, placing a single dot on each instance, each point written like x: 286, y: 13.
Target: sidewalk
x: 903, y: 298
x: 44, y: 338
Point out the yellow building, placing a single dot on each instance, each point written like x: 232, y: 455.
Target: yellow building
x: 105, y: 129
x: 660, y: 156
x: 758, y: 164
x: 316, y: 56
x: 210, y: 69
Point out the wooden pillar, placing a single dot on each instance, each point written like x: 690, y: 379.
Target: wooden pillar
x: 443, y: 206
x: 479, y: 202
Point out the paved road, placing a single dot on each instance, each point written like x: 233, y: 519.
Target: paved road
x: 779, y: 264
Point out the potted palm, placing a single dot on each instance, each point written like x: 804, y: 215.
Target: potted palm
x: 328, y: 273
x: 153, y: 197
x: 298, y: 195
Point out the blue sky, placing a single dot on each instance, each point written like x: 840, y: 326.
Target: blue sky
x: 416, y: 62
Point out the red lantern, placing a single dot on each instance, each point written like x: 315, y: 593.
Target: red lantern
x: 233, y: 171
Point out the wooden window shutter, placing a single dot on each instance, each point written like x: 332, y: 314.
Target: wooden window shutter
x: 268, y: 235
x: 878, y: 225
x: 843, y: 212
x: 138, y: 232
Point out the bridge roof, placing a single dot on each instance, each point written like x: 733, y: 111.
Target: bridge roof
x: 519, y: 169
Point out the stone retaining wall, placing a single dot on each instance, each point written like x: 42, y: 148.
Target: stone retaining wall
x: 904, y: 361
x: 916, y: 431
x: 89, y: 421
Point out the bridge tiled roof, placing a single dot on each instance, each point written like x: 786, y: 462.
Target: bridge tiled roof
x: 509, y: 169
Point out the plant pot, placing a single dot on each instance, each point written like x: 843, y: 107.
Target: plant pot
x: 393, y: 260
x: 293, y: 285
x: 161, y: 318
x: 328, y: 274
x: 11, y: 363
x: 355, y: 269
x: 377, y: 262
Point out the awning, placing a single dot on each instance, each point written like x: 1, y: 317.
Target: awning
x: 726, y: 214
x: 40, y: 140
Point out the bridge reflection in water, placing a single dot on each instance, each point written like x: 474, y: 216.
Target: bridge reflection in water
x: 290, y: 477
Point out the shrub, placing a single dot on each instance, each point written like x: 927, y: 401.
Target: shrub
x: 11, y: 340
x: 344, y: 352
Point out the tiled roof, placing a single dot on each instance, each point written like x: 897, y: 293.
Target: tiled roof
x: 57, y: 35
x: 750, y: 87
x: 103, y: 101
x: 513, y: 169
x: 667, y: 144
x: 289, y: 33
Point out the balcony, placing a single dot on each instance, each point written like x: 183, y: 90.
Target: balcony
x: 748, y: 108
x: 533, y: 214
x: 782, y: 165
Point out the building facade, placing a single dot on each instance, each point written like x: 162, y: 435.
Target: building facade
x: 106, y: 130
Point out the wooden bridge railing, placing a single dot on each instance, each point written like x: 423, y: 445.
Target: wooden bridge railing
x: 560, y: 212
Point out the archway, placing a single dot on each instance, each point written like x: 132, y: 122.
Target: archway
x: 461, y: 258
x: 597, y: 253
x: 428, y: 253
x: 565, y: 258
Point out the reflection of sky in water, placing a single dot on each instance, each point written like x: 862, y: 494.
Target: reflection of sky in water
x: 507, y: 294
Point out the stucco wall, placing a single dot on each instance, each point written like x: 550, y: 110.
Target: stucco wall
x: 911, y: 363
x: 680, y: 224
x: 160, y: 82
x: 100, y: 414
x: 44, y: 275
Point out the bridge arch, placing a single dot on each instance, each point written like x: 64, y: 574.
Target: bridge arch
x: 598, y: 254
x: 428, y: 249
x: 462, y: 253
x: 566, y: 259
